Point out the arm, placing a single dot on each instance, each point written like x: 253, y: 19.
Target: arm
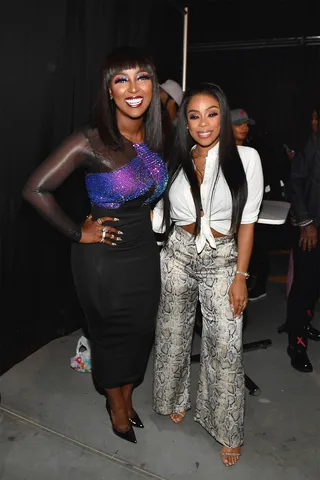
x: 49, y: 176
x: 40, y: 186
x: 300, y: 172
x: 245, y: 244
x: 238, y: 292
x: 157, y: 217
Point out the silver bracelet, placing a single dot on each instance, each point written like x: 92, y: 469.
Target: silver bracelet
x: 244, y: 274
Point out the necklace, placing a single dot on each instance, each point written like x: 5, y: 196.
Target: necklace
x: 199, y: 169
x: 202, y: 168
x: 200, y: 172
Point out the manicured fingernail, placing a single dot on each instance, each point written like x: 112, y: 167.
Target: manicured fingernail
x: 120, y: 239
x: 114, y: 244
x: 116, y: 219
x: 120, y: 233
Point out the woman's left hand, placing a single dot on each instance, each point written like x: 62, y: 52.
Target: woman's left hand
x: 238, y: 295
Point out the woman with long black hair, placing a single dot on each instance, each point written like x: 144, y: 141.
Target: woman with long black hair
x: 208, y: 214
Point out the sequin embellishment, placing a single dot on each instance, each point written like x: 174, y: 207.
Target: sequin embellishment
x: 143, y: 173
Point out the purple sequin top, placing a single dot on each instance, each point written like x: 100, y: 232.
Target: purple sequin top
x: 143, y: 173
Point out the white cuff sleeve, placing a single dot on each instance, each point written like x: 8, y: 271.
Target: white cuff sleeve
x: 255, y: 189
x: 157, y: 219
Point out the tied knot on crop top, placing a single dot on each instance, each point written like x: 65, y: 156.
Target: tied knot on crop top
x: 215, y: 196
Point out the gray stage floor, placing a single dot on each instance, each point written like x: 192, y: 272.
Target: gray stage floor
x: 54, y: 425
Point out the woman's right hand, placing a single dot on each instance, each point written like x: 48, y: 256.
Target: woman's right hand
x: 94, y: 231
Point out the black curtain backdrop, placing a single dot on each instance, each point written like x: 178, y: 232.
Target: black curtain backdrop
x: 278, y: 87
x: 50, y: 58
x: 51, y: 53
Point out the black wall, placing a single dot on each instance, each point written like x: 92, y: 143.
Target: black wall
x: 278, y: 87
x: 50, y: 58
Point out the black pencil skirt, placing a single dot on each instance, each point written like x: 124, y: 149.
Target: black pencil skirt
x: 119, y: 288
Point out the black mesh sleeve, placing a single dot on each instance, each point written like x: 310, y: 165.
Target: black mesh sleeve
x: 40, y: 186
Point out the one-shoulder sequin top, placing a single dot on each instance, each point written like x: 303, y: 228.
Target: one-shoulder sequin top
x: 143, y: 173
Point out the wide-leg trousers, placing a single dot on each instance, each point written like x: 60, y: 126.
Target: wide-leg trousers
x: 187, y: 276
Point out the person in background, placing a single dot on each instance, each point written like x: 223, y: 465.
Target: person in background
x: 114, y: 256
x: 259, y: 265
x: 171, y: 97
x: 290, y: 153
x: 240, y: 126
x: 209, y: 210
x: 305, y: 288
x: 275, y: 173
x: 304, y: 165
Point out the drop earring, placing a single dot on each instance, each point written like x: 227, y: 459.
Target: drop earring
x: 111, y: 97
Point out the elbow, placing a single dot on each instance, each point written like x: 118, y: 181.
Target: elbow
x: 28, y: 192
x: 25, y: 193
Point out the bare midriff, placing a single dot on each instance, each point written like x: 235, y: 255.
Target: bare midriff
x: 190, y: 229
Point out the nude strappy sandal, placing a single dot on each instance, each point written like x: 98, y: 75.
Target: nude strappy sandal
x: 180, y: 416
x: 230, y: 454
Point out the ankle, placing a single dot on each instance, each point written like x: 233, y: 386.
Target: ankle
x: 298, y: 342
x: 230, y: 449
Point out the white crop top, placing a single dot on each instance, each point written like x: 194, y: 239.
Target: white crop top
x: 217, y: 206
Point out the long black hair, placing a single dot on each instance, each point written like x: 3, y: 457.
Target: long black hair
x: 230, y: 162
x: 104, y: 111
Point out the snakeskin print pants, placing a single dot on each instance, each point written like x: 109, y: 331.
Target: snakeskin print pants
x: 186, y: 277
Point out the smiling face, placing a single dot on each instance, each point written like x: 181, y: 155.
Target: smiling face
x: 203, y: 116
x: 132, y: 92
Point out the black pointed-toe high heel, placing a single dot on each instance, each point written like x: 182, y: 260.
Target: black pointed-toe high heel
x: 129, y: 435
x: 135, y: 420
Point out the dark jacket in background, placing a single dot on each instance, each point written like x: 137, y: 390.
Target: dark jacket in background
x: 305, y: 183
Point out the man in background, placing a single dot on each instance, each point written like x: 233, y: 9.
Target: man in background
x: 305, y: 288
